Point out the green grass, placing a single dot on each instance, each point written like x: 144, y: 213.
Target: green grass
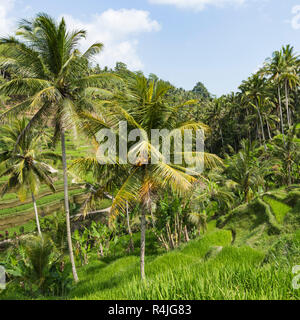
x: 279, y: 208
x: 235, y: 273
x: 211, y: 225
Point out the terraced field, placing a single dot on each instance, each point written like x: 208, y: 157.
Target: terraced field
x: 15, y: 214
x: 270, y: 214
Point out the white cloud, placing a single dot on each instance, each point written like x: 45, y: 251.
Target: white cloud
x: 197, y: 5
x: 118, y: 30
x: 295, y: 22
x: 6, y: 23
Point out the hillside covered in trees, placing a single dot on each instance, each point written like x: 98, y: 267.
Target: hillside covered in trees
x: 72, y: 227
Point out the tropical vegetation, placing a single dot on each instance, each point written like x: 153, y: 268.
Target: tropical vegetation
x: 148, y: 228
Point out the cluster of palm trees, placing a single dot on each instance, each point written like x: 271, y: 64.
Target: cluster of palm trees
x: 283, y: 70
x: 56, y: 86
x: 24, y: 163
x: 45, y: 68
x: 265, y: 105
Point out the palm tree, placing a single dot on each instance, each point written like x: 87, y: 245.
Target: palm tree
x: 247, y: 170
x: 53, y: 75
x: 24, y: 163
x: 131, y: 242
x: 288, y: 154
x: 282, y: 69
x: 107, y: 179
x: 289, y: 76
x: 254, y: 90
x: 274, y: 67
x: 214, y: 191
x: 144, y: 107
x: 216, y: 116
x: 264, y: 108
x: 199, y: 220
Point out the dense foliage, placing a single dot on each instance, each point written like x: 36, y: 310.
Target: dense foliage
x: 249, y: 186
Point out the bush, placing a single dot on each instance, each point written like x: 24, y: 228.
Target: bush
x: 38, y: 268
x: 55, y: 227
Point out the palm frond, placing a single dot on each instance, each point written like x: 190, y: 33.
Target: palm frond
x: 24, y: 86
x: 166, y: 175
x: 93, y: 50
x: 15, y: 110
x: 128, y: 193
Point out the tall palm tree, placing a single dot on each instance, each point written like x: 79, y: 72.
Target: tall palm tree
x: 144, y: 106
x: 216, y: 115
x: 264, y: 107
x: 282, y: 69
x: 24, y: 163
x: 289, y: 76
x: 274, y: 67
x: 288, y: 154
x: 52, y: 75
x: 255, y: 89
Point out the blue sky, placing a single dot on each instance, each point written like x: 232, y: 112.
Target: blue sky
x: 218, y: 42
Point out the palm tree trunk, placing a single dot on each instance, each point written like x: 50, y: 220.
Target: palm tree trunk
x: 249, y: 127
x: 186, y: 234
x: 287, y: 103
x: 289, y: 166
x: 262, y: 127
x: 67, y: 209
x: 269, y: 131
x: 131, y: 244
x: 281, y: 116
x: 289, y: 175
x: 143, y: 243
x: 221, y: 132
x: 258, y: 135
x: 246, y: 192
x: 36, y: 214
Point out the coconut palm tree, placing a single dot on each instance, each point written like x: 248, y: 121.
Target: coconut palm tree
x: 288, y: 154
x: 53, y: 76
x: 24, y: 163
x: 264, y: 107
x: 212, y: 191
x: 289, y: 76
x: 246, y: 170
x: 255, y: 91
x: 282, y: 69
x: 144, y: 107
x: 274, y: 67
x: 199, y: 220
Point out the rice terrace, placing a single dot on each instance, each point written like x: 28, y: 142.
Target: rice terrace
x: 120, y: 182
